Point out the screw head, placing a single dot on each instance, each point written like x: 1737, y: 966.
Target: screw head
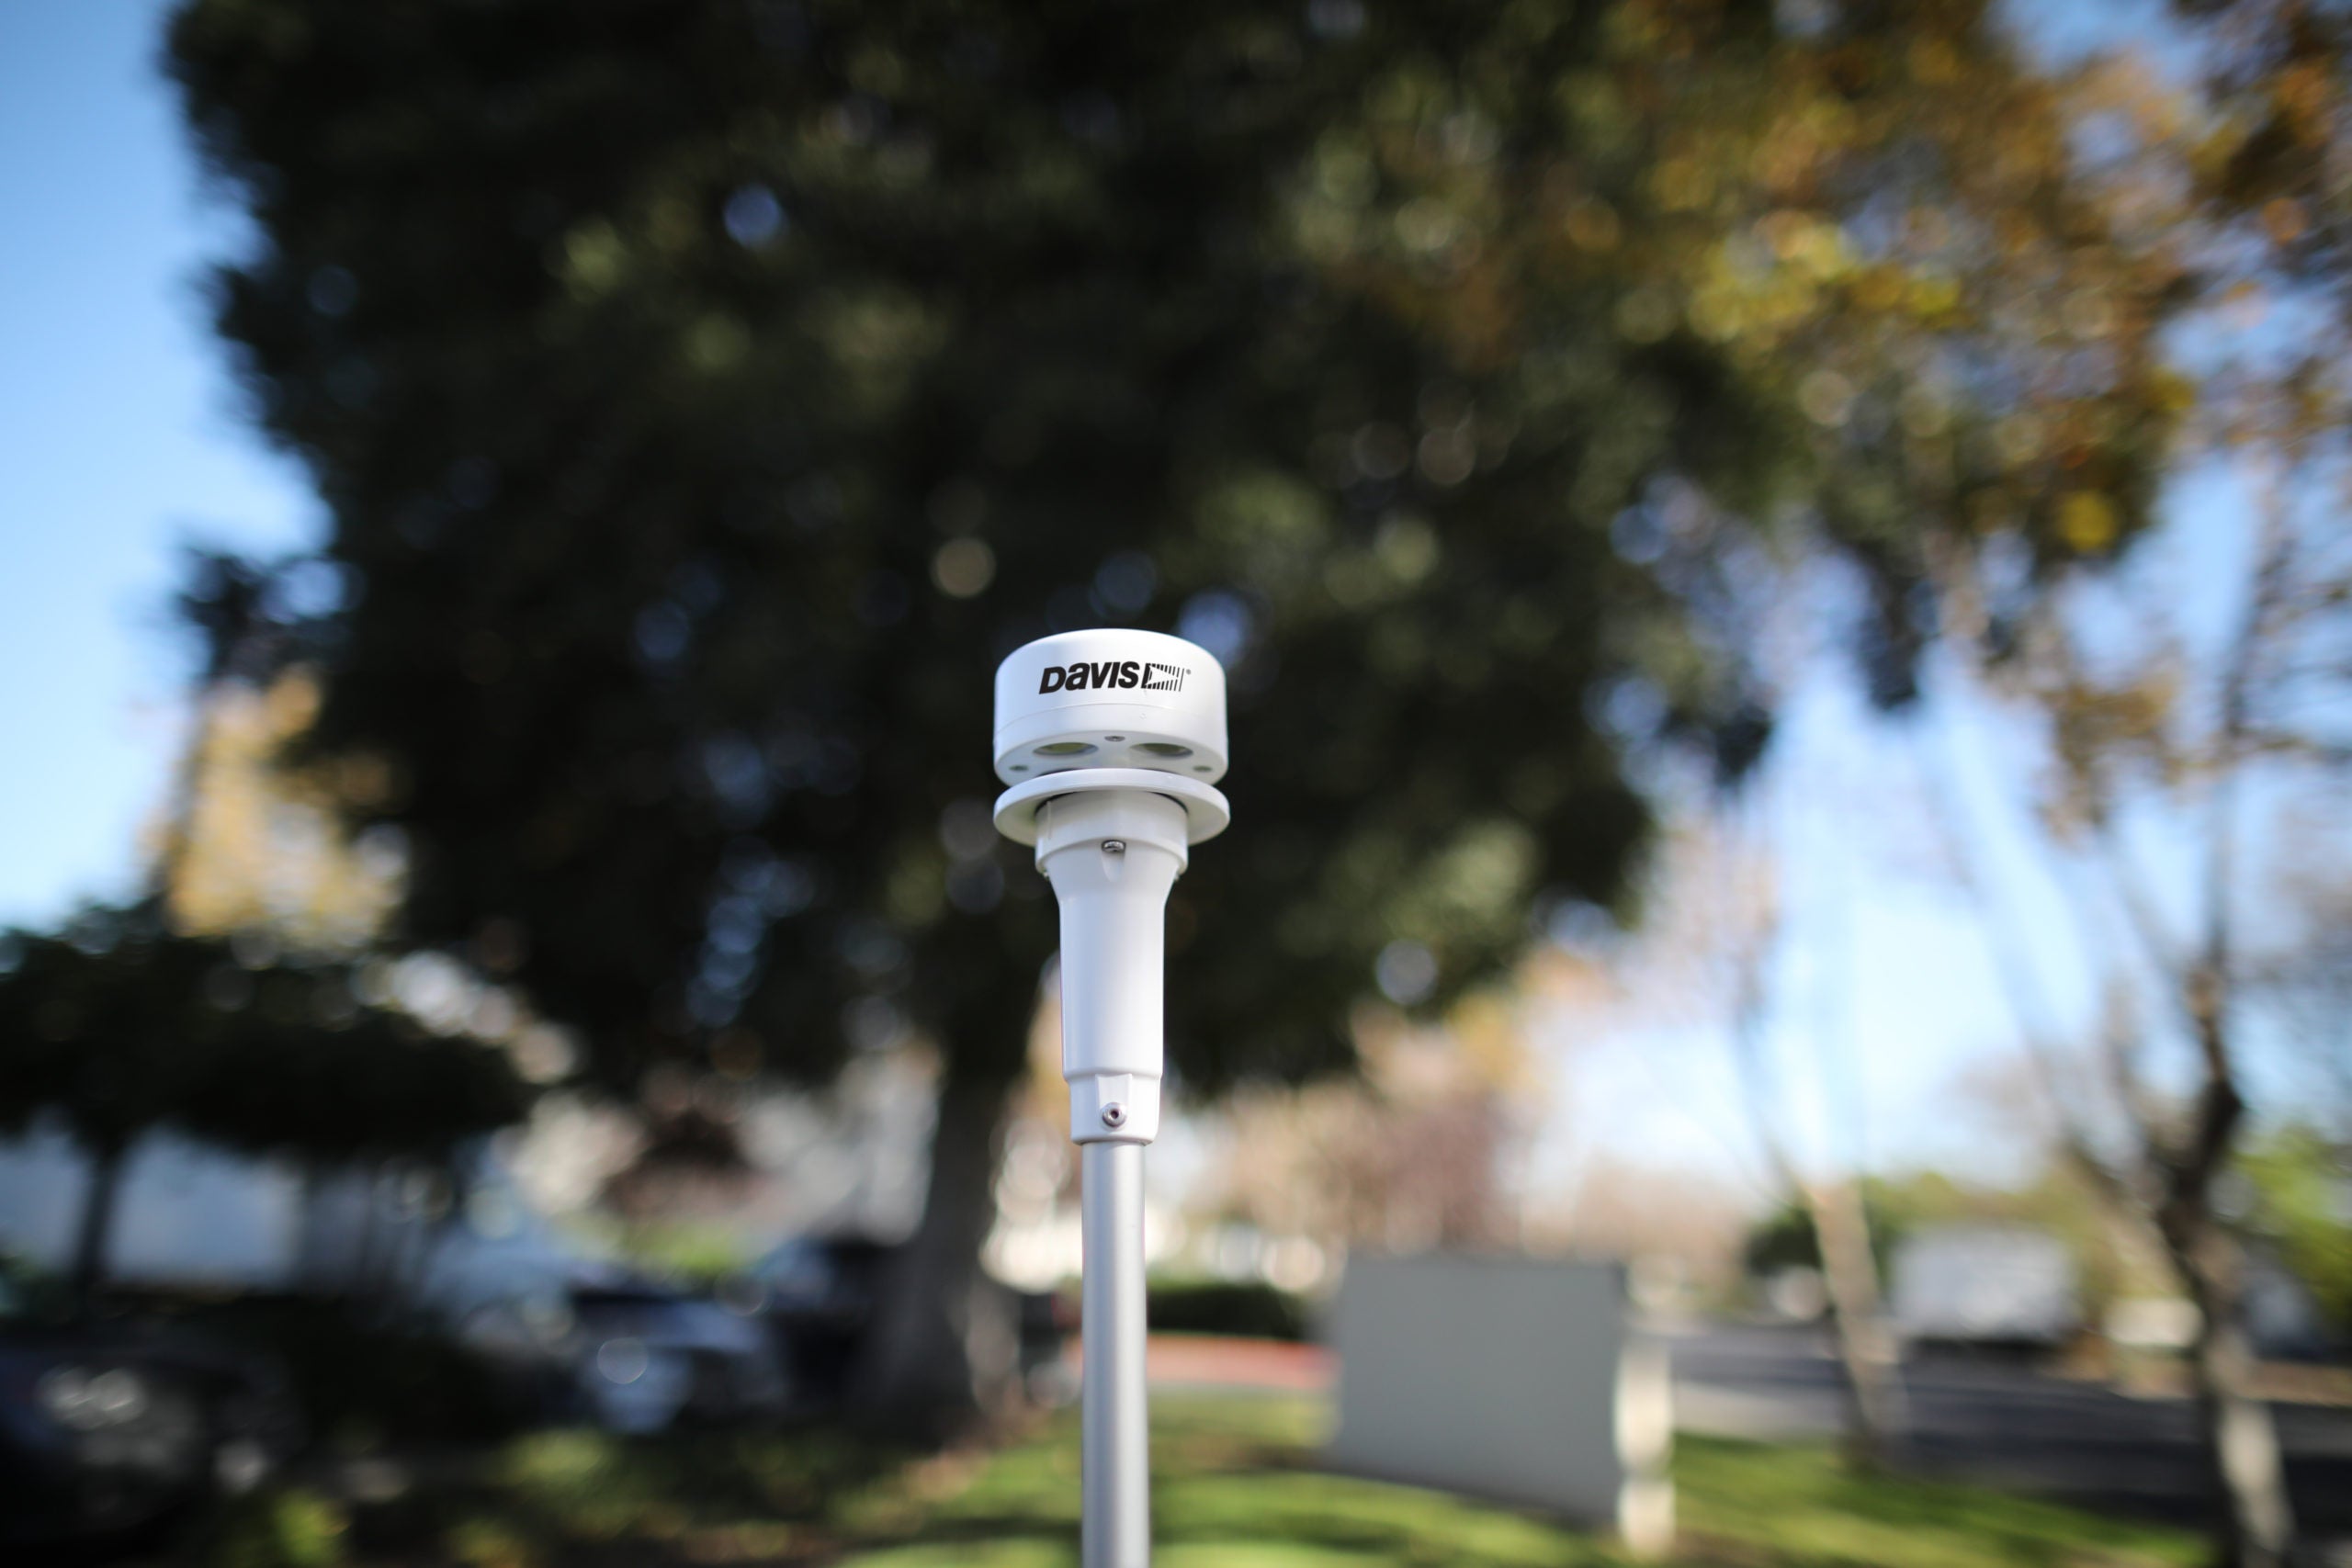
x: 1114, y: 1115
x: 1115, y: 846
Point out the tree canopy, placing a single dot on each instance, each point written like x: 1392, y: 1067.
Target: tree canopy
x: 119, y: 1027
x: 707, y: 394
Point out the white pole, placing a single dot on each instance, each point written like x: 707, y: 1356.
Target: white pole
x: 1115, y: 1440
x: 1112, y: 782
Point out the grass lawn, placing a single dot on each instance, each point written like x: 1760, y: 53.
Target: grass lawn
x: 1234, y: 1486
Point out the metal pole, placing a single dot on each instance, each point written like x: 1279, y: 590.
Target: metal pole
x: 1115, y: 1477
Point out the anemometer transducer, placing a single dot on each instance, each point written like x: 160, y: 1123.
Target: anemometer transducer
x: 1111, y: 741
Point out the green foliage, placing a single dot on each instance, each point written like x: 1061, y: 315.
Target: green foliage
x: 1253, y: 1310
x: 290, y: 1528
x: 708, y: 394
x: 1233, y: 1484
x: 702, y: 1250
x: 1803, y: 1505
x: 2302, y: 1203
x: 119, y: 1026
x: 1786, y: 1237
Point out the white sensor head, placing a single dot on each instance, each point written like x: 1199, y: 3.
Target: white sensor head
x: 1110, y: 698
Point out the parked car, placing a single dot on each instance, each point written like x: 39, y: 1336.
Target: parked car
x: 110, y: 1426
x: 632, y: 1355
x: 819, y: 1296
x: 1984, y: 1285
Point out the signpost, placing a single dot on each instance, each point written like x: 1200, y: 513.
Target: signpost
x: 1111, y: 741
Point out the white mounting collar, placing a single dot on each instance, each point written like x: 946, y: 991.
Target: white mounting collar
x: 1205, y: 812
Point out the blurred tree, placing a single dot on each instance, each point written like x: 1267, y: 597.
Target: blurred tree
x: 118, y: 1028
x: 261, y: 849
x: 2247, y: 199
x: 1732, y: 934
x: 1875, y: 212
x: 707, y: 394
x: 1418, y: 1150
x: 1890, y: 228
x: 1974, y: 292
x: 77, y: 1042
x: 2275, y: 163
x: 211, y: 1005
x: 2212, y: 740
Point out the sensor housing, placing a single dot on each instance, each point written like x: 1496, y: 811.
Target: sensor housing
x: 1109, y: 740
x: 1110, y: 698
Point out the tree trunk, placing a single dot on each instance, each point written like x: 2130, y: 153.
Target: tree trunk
x: 310, y: 1266
x: 436, y: 1230
x: 94, y: 1236
x: 360, y: 1283
x: 2240, y: 1438
x: 919, y: 1381
x: 1873, y: 1373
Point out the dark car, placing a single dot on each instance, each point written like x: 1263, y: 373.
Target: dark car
x: 820, y: 1295
x: 112, y: 1426
x: 632, y: 1355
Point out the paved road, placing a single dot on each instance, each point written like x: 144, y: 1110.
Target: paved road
x: 2007, y: 1423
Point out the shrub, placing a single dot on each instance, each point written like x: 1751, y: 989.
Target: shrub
x: 1251, y: 1310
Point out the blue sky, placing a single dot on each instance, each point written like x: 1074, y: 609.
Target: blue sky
x: 123, y: 439
x: 119, y: 438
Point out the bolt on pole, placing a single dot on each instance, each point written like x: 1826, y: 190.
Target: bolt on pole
x: 1111, y: 741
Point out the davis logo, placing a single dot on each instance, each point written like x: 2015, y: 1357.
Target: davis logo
x: 1112, y: 675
